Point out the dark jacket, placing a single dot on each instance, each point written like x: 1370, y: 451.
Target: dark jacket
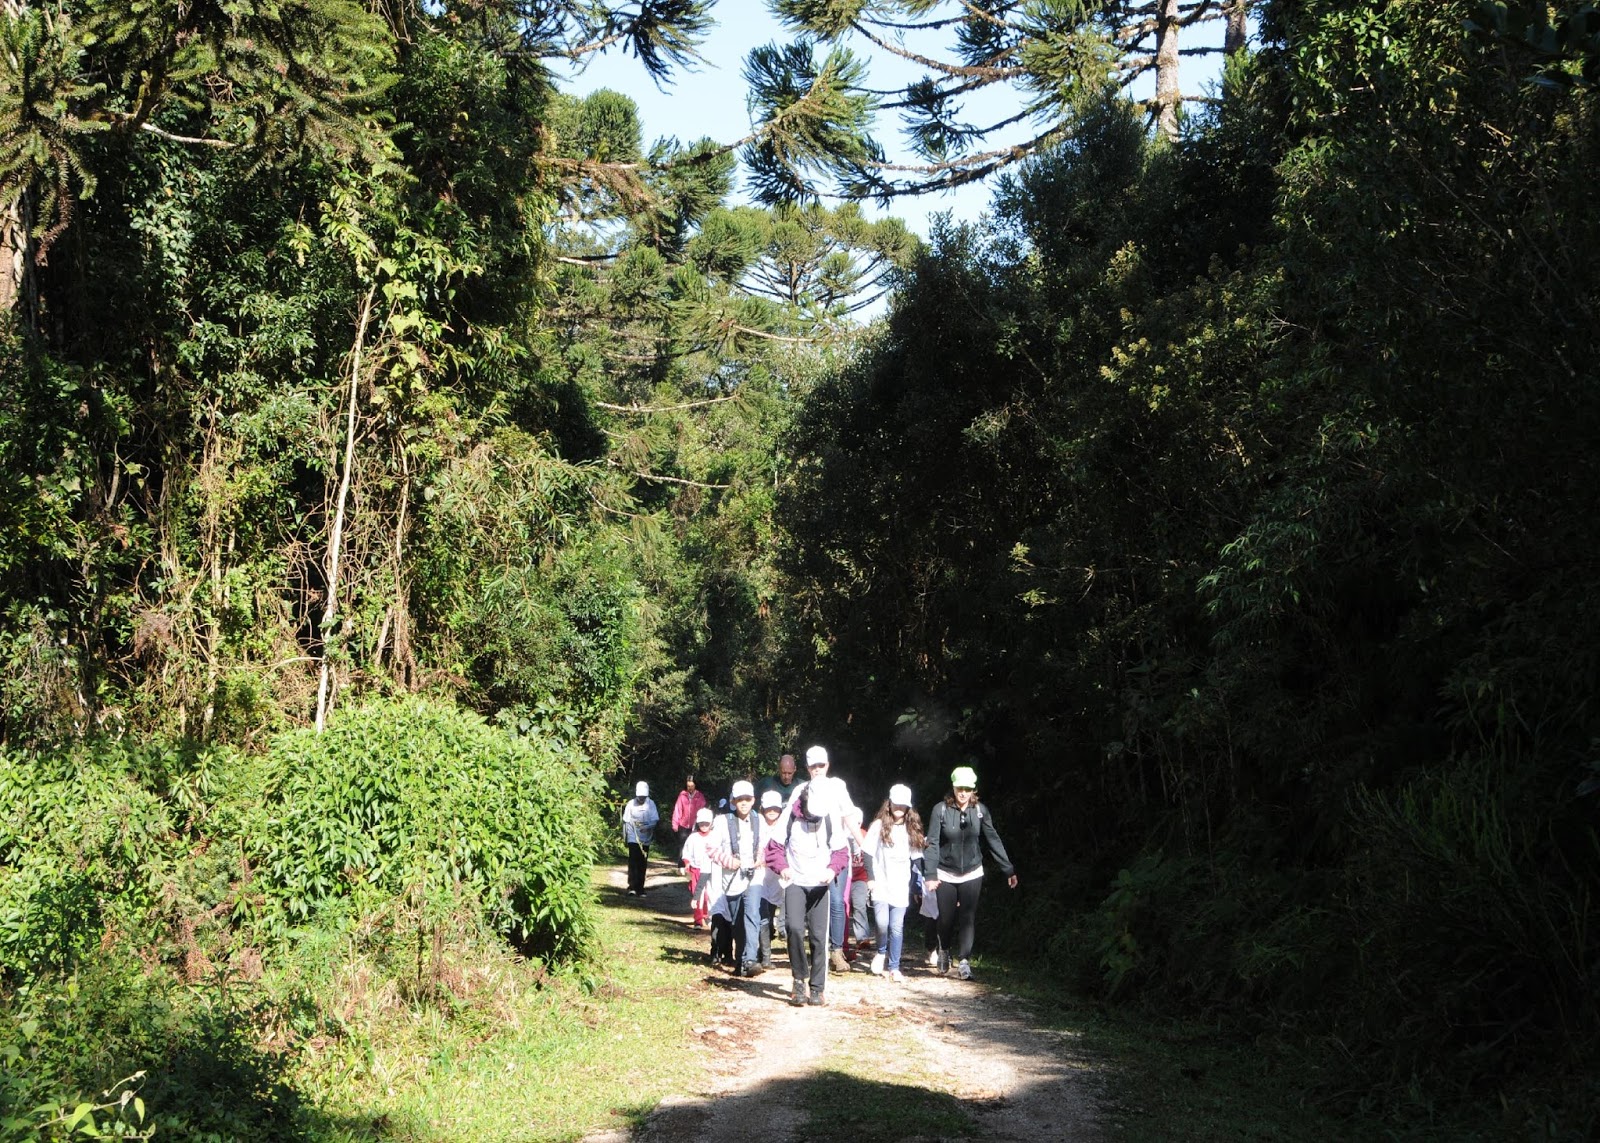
x: 953, y: 840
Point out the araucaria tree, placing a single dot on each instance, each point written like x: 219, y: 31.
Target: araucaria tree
x: 996, y: 81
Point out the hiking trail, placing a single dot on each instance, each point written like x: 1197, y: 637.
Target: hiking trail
x: 752, y: 1058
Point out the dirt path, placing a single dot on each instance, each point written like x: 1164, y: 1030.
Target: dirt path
x: 745, y: 1076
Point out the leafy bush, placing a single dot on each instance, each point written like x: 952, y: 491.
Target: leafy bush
x: 422, y: 799
x: 80, y: 841
x: 112, y: 837
x: 115, y: 1050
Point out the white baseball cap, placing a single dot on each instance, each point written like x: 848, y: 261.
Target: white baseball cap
x: 816, y: 756
x: 702, y: 816
x: 742, y: 789
x: 642, y: 790
x: 771, y: 800
x: 900, y: 795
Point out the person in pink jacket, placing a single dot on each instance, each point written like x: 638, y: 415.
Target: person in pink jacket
x: 690, y: 802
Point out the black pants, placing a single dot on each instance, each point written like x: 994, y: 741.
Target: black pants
x: 767, y: 922
x: 638, y: 862
x: 805, y: 908
x: 958, y: 916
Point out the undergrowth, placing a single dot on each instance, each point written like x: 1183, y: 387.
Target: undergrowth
x: 192, y: 942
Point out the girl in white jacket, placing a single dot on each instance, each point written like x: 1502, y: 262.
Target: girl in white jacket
x: 700, y: 865
x: 894, y: 840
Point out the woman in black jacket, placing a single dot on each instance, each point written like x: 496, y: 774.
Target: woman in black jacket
x: 959, y: 829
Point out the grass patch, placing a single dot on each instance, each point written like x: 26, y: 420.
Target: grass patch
x: 522, y: 1056
x: 844, y: 1104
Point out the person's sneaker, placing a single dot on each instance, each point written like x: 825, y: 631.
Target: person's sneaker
x: 799, y: 997
x: 837, y: 962
x: 819, y: 1000
x: 897, y: 976
x: 944, y: 963
x: 964, y: 970
x: 751, y: 969
x: 877, y: 964
x: 933, y: 958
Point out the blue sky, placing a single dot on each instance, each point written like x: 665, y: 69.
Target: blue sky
x: 710, y: 101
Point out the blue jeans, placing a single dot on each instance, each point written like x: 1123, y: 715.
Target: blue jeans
x: 891, y: 932
x: 749, y: 915
x: 836, y: 909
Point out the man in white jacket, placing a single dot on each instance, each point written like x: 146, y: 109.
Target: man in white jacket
x: 817, y: 768
x: 737, y: 844
x: 639, y: 818
x: 809, y: 851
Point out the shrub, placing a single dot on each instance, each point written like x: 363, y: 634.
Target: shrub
x: 82, y: 845
x: 116, y: 1050
x: 423, y: 799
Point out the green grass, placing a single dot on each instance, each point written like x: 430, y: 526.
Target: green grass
x: 521, y: 1056
x: 503, y: 1052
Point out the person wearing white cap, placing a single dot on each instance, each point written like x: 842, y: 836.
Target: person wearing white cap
x: 809, y: 851
x: 639, y: 818
x: 959, y: 830
x: 736, y: 892
x: 702, y: 868
x: 894, y: 842
x: 817, y: 769
x: 772, y: 803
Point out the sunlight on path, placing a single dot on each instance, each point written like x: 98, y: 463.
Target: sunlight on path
x: 757, y: 1069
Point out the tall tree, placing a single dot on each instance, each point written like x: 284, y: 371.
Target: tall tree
x: 1054, y: 56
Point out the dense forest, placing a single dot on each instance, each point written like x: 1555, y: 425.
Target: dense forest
x: 399, y: 454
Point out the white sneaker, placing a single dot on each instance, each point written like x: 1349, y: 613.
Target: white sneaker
x: 897, y: 977
x: 933, y: 958
x: 964, y: 970
x: 877, y: 964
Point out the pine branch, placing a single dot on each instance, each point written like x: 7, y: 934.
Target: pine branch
x: 646, y: 409
x: 989, y: 73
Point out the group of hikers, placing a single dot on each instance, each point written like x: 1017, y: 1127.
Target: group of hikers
x: 796, y: 858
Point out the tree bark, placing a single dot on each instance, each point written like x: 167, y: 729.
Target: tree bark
x: 1238, y: 26
x: 330, y: 610
x: 1168, y: 94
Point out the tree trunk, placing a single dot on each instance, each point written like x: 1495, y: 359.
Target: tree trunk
x: 1238, y: 26
x: 1168, y: 95
x: 330, y: 610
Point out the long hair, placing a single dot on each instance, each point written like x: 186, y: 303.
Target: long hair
x: 950, y: 799
x: 913, y: 824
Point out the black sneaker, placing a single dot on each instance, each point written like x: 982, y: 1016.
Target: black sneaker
x: 750, y: 969
x: 798, y: 1000
x: 944, y: 962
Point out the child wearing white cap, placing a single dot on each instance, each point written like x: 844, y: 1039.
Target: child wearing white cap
x: 701, y: 866
x: 894, y: 841
x: 772, y: 805
x: 639, y: 818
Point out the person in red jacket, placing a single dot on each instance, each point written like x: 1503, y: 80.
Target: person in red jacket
x: 690, y: 801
